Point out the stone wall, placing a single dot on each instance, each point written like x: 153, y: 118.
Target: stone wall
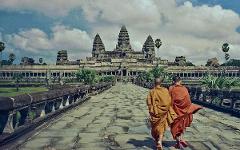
x: 221, y: 100
x: 25, y: 112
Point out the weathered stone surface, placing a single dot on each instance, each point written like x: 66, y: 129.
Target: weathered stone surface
x: 116, y: 120
x: 149, y: 48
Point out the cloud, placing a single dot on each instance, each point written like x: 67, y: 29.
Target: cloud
x: 195, y: 31
x: 1, y: 36
x: 36, y: 42
x: 53, y: 8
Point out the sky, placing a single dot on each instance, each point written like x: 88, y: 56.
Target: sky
x: 193, y: 28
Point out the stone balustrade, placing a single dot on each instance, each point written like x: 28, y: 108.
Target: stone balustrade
x: 20, y: 112
x: 223, y: 100
x: 219, y: 99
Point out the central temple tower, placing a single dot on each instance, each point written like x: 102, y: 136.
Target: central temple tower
x: 123, y: 40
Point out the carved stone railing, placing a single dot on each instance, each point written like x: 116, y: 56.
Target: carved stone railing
x: 221, y: 100
x: 19, y: 113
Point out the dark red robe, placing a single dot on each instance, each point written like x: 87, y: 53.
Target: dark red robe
x: 184, y: 108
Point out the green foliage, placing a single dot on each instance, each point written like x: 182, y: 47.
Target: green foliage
x: 31, y: 115
x: 216, y: 101
x: 157, y: 72
x: 232, y: 62
x: 11, y: 57
x: 18, y: 117
x: 219, y: 82
x: 107, y: 78
x: 23, y: 90
x: 145, y: 76
x: 86, y: 76
x: 17, y: 77
x: 2, y: 46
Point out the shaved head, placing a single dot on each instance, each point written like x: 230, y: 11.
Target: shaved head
x: 158, y: 81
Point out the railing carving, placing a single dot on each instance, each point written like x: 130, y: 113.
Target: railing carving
x: 222, y: 100
x: 19, y: 112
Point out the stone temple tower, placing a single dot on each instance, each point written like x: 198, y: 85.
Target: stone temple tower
x: 123, y: 40
x: 149, y: 48
x: 98, y: 47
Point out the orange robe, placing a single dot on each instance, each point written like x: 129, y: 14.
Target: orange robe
x: 184, y: 108
x: 160, y: 109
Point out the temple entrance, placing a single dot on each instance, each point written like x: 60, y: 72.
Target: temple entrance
x: 124, y: 72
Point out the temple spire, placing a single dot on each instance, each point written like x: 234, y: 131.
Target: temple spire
x: 149, y: 47
x: 123, y: 40
x: 98, y: 46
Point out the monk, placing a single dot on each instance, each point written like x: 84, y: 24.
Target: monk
x: 161, y: 112
x: 184, y: 108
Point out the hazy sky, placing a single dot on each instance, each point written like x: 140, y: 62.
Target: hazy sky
x: 196, y: 28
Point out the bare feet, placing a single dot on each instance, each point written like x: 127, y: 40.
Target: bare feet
x: 178, y: 145
x: 183, y: 143
x: 159, y: 145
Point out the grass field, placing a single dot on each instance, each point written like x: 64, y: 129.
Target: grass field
x: 22, y: 90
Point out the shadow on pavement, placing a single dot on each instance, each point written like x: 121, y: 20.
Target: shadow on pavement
x: 168, y: 143
x: 148, y: 142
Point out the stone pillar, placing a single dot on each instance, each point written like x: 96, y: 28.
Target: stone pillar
x: 39, y: 109
x: 9, y: 124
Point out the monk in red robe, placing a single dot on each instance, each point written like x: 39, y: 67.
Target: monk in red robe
x: 161, y: 112
x: 184, y: 108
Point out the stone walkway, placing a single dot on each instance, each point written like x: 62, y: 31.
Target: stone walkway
x: 115, y: 120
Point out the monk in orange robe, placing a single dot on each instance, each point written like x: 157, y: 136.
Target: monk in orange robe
x: 161, y: 112
x: 184, y: 108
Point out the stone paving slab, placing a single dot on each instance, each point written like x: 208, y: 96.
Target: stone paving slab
x: 115, y: 120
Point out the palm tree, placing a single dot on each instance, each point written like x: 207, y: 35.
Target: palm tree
x: 2, y: 47
x: 40, y: 60
x: 11, y: 57
x: 158, y: 43
x: 225, y: 49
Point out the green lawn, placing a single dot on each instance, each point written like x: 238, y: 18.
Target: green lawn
x: 22, y: 90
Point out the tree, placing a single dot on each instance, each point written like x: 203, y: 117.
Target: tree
x: 17, y: 77
x: 40, y: 60
x: 27, y: 61
x: 107, y: 78
x: 146, y: 76
x: 232, y: 62
x: 31, y: 61
x: 158, y: 43
x: 11, y: 57
x: 213, y: 62
x: 157, y: 72
x: 86, y: 76
x: 225, y: 49
x: 2, y: 47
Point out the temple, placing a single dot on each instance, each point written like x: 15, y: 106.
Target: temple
x: 123, y: 49
x: 122, y: 61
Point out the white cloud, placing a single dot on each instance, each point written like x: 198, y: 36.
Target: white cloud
x: 37, y: 42
x: 48, y: 7
x: 195, y: 31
